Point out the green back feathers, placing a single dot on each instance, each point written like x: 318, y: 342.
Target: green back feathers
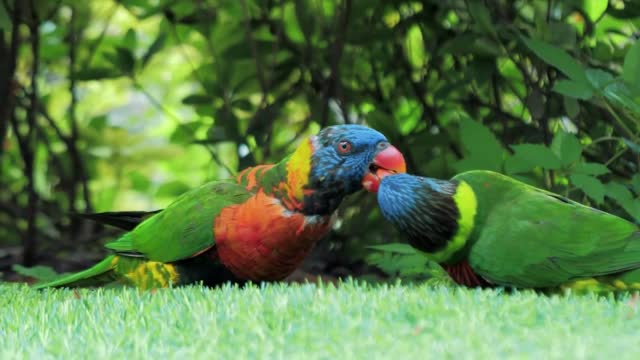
x: 528, y: 237
x: 184, y: 228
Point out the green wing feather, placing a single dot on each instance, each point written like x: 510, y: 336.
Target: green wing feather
x: 528, y: 237
x: 184, y: 228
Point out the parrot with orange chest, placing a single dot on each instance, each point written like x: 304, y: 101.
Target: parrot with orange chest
x: 257, y: 227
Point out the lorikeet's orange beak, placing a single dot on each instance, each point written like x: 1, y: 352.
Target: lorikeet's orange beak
x: 387, y: 162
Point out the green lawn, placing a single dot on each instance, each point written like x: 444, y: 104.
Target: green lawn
x: 352, y: 320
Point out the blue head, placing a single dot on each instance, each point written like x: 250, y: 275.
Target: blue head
x: 343, y: 160
x: 422, y: 208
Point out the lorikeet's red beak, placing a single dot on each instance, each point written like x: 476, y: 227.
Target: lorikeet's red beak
x: 387, y: 162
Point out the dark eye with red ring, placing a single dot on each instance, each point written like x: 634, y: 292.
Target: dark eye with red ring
x: 344, y: 147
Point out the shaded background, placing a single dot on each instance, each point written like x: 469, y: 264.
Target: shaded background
x: 124, y: 105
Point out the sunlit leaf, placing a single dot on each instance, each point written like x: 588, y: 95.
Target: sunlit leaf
x: 567, y: 147
x: 96, y: 73
x: 139, y: 181
x: 130, y: 39
x: 571, y: 106
x: 633, y: 208
x: 573, y: 89
x: 618, y: 192
x: 197, y: 99
x: 621, y: 95
x: 558, y: 58
x: 594, y: 169
x: 414, y: 45
x: 124, y: 60
x: 591, y: 186
x: 598, y: 78
x: 595, y: 8
x: 633, y: 146
x: 481, y: 16
x: 483, y: 150
x: 517, y: 164
x: 5, y: 19
x: 537, y: 155
x: 156, y: 46
x: 172, y: 189
x: 631, y: 68
x: 41, y: 273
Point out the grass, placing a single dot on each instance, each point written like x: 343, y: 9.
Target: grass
x: 350, y: 321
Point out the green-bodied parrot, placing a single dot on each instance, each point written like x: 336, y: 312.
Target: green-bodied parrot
x: 487, y: 229
x: 258, y: 227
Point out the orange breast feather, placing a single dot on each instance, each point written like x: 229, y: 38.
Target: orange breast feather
x: 262, y: 240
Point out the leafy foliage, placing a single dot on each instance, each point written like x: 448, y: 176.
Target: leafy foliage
x: 123, y: 105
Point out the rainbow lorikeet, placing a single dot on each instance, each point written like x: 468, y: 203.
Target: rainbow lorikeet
x: 258, y: 227
x: 487, y: 229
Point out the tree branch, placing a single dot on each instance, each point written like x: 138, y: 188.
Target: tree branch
x: 8, y: 59
x: 30, y: 241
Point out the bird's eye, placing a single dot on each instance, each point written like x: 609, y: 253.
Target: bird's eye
x: 383, y: 145
x: 344, y: 147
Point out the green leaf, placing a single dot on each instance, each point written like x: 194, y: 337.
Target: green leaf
x: 595, y: 8
x: 130, y: 39
x: 571, y: 106
x: 633, y: 208
x: 399, y: 248
x: 618, y: 192
x: 124, y: 60
x: 98, y: 123
x: 591, y: 186
x: 558, y: 58
x: 481, y: 16
x: 291, y: 23
x: 5, y: 19
x: 537, y: 155
x: 172, y: 189
x: 96, y: 73
x: 594, y: 169
x: 631, y: 67
x: 242, y: 104
x: 635, y: 182
x: 197, y: 99
x: 185, y: 133
x: 414, y: 47
x: 516, y: 164
x: 633, y: 146
x: 139, y: 181
x: 598, y: 78
x: 567, y: 147
x: 157, y: 44
x: 561, y: 34
x: 40, y: 273
x: 621, y: 95
x: 483, y: 150
x: 573, y: 89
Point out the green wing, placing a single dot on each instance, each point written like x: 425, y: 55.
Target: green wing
x: 528, y: 237
x: 184, y: 228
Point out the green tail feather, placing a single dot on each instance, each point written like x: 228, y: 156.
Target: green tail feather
x: 97, y: 275
x: 117, y: 270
